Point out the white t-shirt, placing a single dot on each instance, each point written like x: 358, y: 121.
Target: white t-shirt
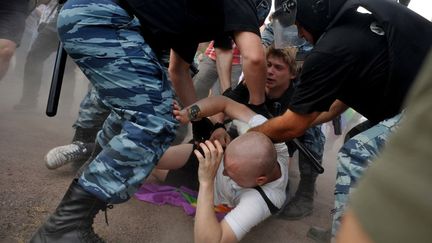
x: 249, y: 208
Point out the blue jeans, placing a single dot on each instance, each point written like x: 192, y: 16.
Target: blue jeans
x: 106, y: 44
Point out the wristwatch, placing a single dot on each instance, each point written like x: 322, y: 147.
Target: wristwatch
x: 193, y: 112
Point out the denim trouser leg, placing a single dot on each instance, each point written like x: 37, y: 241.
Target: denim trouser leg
x: 353, y: 159
x: 314, y: 140
x: 106, y: 44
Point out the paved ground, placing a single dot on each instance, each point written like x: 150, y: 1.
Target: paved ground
x: 29, y: 191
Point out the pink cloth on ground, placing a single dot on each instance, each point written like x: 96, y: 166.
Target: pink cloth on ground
x: 163, y: 194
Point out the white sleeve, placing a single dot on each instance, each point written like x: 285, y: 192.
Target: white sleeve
x: 257, y: 120
x: 250, y: 211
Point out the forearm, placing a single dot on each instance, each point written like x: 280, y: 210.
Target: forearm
x: 276, y: 130
x: 183, y: 85
x: 337, y: 108
x: 286, y: 127
x: 207, y: 228
x: 181, y: 79
x: 215, y: 104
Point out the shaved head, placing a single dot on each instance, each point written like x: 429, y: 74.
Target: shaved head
x: 249, y: 156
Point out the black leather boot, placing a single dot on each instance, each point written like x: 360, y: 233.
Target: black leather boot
x: 72, y: 221
x: 301, y: 205
x: 85, y: 135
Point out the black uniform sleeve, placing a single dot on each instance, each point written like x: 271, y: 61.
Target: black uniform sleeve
x: 320, y: 83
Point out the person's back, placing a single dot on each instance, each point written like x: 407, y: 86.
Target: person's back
x: 356, y: 66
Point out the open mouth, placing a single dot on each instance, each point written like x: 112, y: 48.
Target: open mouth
x: 270, y: 81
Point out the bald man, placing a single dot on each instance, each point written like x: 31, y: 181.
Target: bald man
x: 250, y: 177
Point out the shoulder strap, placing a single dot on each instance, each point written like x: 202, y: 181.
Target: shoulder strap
x: 270, y: 205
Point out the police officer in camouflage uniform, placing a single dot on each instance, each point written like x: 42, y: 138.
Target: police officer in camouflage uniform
x: 364, y: 61
x: 118, y: 53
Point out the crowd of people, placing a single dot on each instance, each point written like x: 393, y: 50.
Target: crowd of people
x: 140, y: 60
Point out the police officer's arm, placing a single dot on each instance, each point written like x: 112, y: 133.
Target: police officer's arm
x: 286, y: 127
x: 254, y: 64
x: 181, y: 78
x: 337, y: 108
x: 207, y: 228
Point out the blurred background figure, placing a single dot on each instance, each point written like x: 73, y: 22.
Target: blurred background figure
x: 44, y: 45
x: 12, y: 23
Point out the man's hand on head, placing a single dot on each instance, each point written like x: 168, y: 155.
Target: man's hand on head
x: 209, y: 161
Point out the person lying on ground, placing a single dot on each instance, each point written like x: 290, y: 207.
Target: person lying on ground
x: 250, y: 176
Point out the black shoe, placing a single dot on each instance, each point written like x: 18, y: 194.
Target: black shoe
x: 85, y: 135
x: 319, y: 235
x: 301, y: 205
x: 297, y: 208
x: 72, y: 221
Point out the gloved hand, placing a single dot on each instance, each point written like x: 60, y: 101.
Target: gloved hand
x: 202, y: 130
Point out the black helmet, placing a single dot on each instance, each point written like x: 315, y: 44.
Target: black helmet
x: 316, y: 15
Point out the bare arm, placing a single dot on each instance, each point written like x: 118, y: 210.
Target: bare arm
x: 175, y: 157
x: 224, y: 59
x: 213, y: 105
x: 286, y: 127
x: 254, y: 64
x: 207, y: 228
x: 181, y: 79
x: 337, y: 108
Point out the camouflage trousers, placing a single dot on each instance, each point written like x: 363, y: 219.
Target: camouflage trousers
x: 106, y: 44
x: 354, y: 158
x: 92, y: 112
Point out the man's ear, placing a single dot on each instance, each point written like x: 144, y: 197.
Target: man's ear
x: 261, y: 180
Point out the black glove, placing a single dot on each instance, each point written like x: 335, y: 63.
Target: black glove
x: 202, y: 130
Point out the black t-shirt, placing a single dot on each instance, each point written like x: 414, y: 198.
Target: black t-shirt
x: 183, y: 24
x: 350, y: 63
